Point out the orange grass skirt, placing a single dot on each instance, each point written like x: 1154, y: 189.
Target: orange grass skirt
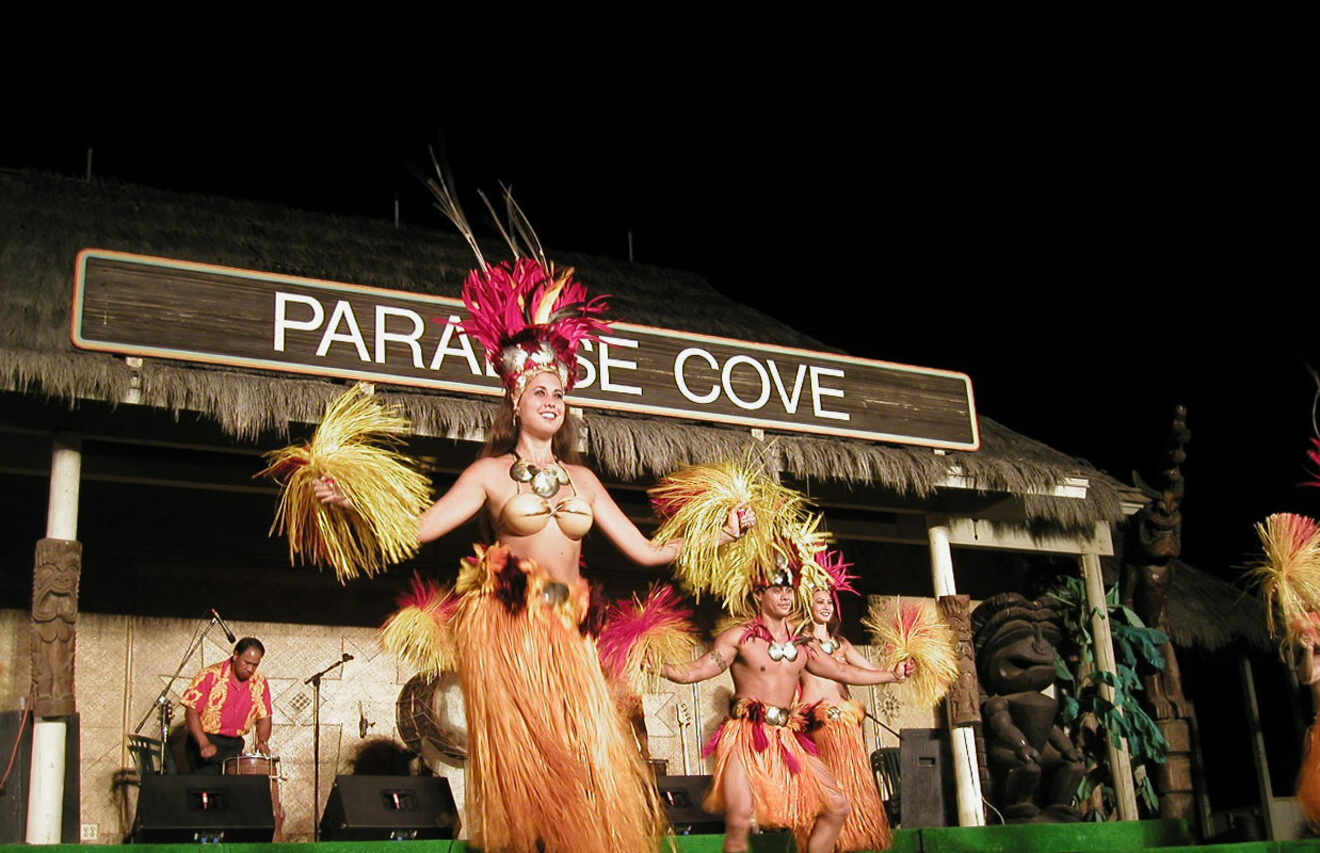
x: 787, y: 791
x: 1308, y: 778
x: 837, y: 731
x: 551, y: 764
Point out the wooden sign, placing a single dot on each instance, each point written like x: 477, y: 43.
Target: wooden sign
x: 139, y: 305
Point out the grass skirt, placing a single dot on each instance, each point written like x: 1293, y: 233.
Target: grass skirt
x: 780, y: 763
x: 1308, y: 779
x: 836, y: 727
x: 551, y: 765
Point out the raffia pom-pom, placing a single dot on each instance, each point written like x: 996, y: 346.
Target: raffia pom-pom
x: 420, y: 633
x: 693, y: 505
x: 1288, y: 578
x: 354, y: 446
x: 914, y: 630
x: 638, y: 633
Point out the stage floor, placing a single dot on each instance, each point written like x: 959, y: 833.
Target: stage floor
x: 1153, y: 836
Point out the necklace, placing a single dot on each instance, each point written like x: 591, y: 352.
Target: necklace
x: 782, y: 651
x: 829, y: 646
x: 546, y: 479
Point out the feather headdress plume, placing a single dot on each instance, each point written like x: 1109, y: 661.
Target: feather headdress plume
x: 655, y: 631
x: 420, y: 632
x: 354, y: 445
x: 914, y: 630
x: 693, y: 505
x: 1289, y: 576
x: 530, y: 316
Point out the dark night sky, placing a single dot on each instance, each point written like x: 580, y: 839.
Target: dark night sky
x: 1090, y: 264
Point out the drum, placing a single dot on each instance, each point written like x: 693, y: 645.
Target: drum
x: 256, y: 764
x: 251, y: 764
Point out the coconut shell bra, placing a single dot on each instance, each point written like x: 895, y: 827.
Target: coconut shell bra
x: 527, y: 513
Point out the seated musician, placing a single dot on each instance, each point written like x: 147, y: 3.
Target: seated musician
x: 223, y: 702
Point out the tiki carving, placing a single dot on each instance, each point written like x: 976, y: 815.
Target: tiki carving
x: 964, y: 697
x: 1034, y: 767
x: 1157, y: 534
x: 54, y: 625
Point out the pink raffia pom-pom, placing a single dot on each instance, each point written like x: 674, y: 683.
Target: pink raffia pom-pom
x: 639, y: 633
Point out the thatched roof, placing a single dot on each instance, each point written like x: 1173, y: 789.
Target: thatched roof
x: 1208, y: 613
x: 45, y: 220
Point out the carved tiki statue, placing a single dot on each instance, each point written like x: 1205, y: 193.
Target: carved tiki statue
x: 54, y: 622
x: 1034, y: 767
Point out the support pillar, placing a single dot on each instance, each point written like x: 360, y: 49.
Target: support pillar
x: 962, y: 738
x: 1120, y: 763
x: 54, y: 619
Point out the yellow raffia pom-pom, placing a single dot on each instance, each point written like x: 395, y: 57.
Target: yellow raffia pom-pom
x: 694, y: 505
x: 353, y: 446
x: 1289, y: 577
x: 419, y: 633
x: 914, y: 630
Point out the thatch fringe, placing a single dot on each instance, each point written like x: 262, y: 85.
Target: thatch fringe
x: 636, y: 448
x: 244, y: 404
x: 1208, y: 613
x: 68, y: 376
x: 248, y: 404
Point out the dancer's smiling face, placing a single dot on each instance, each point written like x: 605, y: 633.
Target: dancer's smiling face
x: 822, y: 607
x: 540, y: 410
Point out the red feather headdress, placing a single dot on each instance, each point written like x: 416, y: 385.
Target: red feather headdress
x: 530, y: 316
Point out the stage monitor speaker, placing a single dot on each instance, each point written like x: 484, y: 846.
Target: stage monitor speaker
x: 682, y: 796
x: 204, y: 809
x: 14, y: 796
x: 389, y: 808
x: 927, y: 778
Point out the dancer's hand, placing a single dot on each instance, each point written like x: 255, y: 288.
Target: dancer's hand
x: 329, y: 493
x: 741, y: 519
x: 903, y: 670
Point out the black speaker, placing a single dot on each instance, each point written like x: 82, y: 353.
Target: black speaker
x: 927, y: 778
x: 682, y: 796
x: 204, y: 809
x: 14, y: 795
x: 386, y: 808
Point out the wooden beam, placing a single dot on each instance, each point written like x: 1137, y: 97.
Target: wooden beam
x: 979, y: 533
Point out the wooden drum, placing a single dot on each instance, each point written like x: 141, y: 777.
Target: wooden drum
x: 256, y: 764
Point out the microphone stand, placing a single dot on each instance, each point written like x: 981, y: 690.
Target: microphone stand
x: 315, y: 681
x: 161, y: 704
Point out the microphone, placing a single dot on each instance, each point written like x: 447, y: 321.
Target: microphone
x: 229, y: 635
x: 347, y: 657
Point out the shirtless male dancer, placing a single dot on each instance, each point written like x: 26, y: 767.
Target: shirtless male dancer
x: 766, y: 770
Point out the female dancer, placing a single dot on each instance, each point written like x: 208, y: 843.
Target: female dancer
x: 551, y: 764
x: 836, y: 719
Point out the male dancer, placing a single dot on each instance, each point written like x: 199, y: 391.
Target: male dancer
x: 766, y: 770
x: 836, y: 728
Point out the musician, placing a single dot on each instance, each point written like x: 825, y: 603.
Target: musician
x: 223, y: 702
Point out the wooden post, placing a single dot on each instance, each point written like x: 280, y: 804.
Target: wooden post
x: 1120, y: 763
x: 1263, y: 785
x: 54, y: 616
x: 967, y: 773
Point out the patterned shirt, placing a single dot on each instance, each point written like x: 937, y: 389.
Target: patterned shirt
x: 226, y: 705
